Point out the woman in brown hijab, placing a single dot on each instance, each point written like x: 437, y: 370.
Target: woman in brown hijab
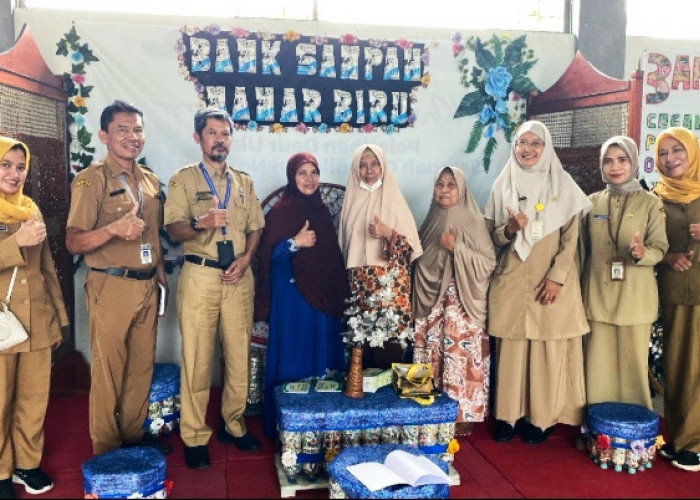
x: 379, y: 240
x: 450, y: 284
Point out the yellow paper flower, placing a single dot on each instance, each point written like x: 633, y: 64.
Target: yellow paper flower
x: 453, y: 446
x: 79, y: 101
x: 539, y: 207
x: 276, y: 128
x: 660, y: 441
x: 344, y: 128
x: 425, y: 81
x: 292, y: 35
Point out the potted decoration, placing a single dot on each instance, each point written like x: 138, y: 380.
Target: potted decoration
x: 371, y: 319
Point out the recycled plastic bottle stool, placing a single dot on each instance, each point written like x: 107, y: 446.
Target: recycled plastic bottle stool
x: 343, y: 484
x: 621, y: 435
x: 163, y: 400
x: 136, y: 472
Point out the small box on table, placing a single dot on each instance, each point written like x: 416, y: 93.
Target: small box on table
x: 375, y: 378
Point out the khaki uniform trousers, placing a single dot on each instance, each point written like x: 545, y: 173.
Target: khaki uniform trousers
x: 203, y: 303
x: 25, y: 378
x: 681, y: 344
x: 541, y: 380
x: 617, y: 364
x: 122, y: 317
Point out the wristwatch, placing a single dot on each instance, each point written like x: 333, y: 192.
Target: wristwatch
x: 292, y: 246
x: 194, y: 222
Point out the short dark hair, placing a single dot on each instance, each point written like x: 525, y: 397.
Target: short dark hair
x: 19, y: 147
x: 117, y: 106
x: 201, y: 117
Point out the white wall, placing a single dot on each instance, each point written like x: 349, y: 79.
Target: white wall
x: 138, y: 63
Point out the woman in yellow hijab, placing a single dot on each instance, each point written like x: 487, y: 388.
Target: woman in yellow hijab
x: 25, y: 369
x: 677, y: 159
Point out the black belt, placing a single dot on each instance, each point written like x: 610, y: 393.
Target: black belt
x: 201, y: 261
x: 122, y: 272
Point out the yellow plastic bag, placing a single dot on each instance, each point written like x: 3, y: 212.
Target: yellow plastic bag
x: 414, y: 381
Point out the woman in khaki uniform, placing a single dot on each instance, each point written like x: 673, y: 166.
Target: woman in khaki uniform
x: 623, y: 237
x: 678, y: 165
x: 37, y: 302
x: 535, y: 309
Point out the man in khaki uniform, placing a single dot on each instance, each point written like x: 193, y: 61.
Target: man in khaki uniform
x: 214, y: 211
x: 114, y: 219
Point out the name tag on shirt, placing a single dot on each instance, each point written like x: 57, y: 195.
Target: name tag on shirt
x: 601, y: 216
x: 146, y: 257
x: 536, y: 230
x: 3, y: 229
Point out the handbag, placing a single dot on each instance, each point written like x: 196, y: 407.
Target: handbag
x: 415, y: 381
x: 11, y: 330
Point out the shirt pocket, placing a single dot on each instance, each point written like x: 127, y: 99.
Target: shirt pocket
x: 114, y: 208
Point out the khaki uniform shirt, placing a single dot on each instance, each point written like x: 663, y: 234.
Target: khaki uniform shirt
x: 36, y: 298
x: 99, y: 198
x: 633, y: 301
x: 189, y: 196
x: 674, y: 287
x: 513, y: 312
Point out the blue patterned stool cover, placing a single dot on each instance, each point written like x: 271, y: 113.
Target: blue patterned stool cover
x: 621, y: 434
x: 137, y: 472
x: 163, y: 399
x: 344, y: 485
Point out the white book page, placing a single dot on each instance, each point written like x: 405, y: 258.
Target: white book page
x: 375, y: 476
x: 417, y: 470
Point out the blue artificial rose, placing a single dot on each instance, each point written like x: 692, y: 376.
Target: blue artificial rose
x: 501, y: 123
x: 488, y: 133
x: 486, y: 114
x: 501, y: 106
x: 497, y: 81
x: 76, y: 57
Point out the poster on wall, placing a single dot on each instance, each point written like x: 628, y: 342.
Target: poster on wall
x: 670, y: 98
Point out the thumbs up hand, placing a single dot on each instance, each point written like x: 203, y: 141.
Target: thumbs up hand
x: 447, y: 240
x: 305, y: 237
x: 637, y: 246
x: 378, y: 229
x: 31, y: 232
x: 129, y: 226
x: 215, y: 216
x: 515, y: 222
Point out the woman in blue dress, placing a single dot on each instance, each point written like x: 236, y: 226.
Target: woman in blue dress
x: 301, y: 285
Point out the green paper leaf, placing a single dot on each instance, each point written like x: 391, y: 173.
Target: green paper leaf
x: 484, y: 58
x: 522, y: 68
x: 522, y: 85
x: 62, y: 48
x: 72, y: 37
x: 488, y: 151
x: 84, y: 137
x: 474, y: 137
x: 514, y: 52
x: 85, y: 91
x: 497, y: 51
x: 472, y: 103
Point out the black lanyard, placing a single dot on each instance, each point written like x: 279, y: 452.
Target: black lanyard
x: 213, y: 190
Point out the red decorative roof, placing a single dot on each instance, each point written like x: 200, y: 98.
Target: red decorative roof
x: 581, y: 85
x: 23, y: 67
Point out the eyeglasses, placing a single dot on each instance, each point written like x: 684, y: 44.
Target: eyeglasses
x: 522, y: 143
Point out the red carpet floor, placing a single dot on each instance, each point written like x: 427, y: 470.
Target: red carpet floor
x: 487, y: 469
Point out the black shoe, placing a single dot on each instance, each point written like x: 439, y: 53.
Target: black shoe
x: 149, y: 439
x: 246, y: 442
x: 197, y: 457
x: 504, y: 431
x: 687, y: 460
x: 667, y: 451
x: 531, y: 434
x: 6, y: 488
x: 34, y: 480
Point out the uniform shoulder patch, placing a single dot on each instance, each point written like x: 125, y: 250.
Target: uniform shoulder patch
x: 83, y: 182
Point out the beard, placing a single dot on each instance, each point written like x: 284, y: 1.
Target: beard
x: 218, y: 158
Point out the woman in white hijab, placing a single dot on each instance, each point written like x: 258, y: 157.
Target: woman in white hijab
x: 450, y: 283
x: 379, y: 240
x: 623, y: 237
x: 534, y: 306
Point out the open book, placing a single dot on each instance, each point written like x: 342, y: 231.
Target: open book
x: 399, y: 467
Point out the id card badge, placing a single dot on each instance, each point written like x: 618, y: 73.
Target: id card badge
x: 225, y: 252
x: 536, y: 230
x: 146, y: 256
x: 617, y: 269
